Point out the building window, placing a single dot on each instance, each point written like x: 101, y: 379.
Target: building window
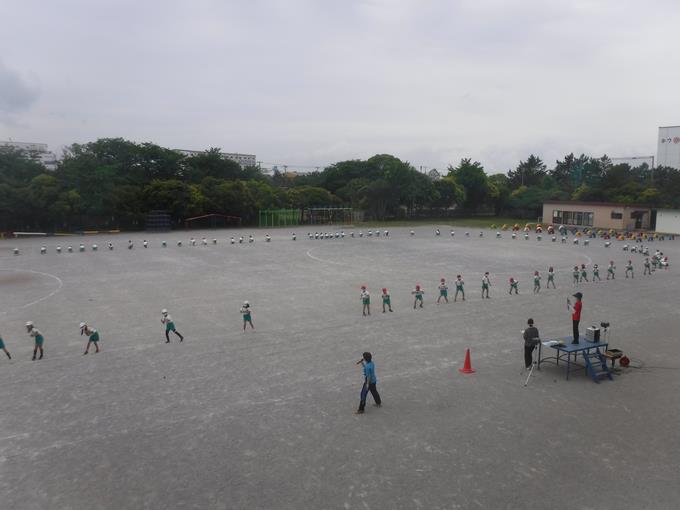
x: 578, y: 218
x: 617, y: 215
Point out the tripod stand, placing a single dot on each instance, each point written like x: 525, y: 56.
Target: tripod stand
x: 534, y: 363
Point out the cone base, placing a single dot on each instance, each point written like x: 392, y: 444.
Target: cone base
x: 467, y: 370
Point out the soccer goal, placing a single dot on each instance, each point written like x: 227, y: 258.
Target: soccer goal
x: 212, y: 221
x: 329, y: 216
x: 278, y: 217
x: 158, y: 221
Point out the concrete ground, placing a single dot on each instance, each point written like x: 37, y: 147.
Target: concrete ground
x: 265, y: 419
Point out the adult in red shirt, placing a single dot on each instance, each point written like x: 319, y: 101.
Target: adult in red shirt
x: 575, y: 310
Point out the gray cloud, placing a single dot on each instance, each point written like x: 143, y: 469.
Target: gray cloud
x: 16, y: 94
x: 312, y: 82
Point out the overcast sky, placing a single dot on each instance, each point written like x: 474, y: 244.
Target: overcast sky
x: 311, y: 82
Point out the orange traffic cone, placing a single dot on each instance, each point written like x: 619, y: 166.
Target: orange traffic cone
x: 467, y: 368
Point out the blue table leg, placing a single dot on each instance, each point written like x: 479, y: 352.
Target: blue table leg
x: 568, y: 364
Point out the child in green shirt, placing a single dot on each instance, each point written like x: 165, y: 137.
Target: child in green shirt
x: 443, y: 291
x: 418, y: 296
x: 386, y: 301
x: 460, y: 284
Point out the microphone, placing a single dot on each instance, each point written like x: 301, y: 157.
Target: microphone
x: 360, y: 361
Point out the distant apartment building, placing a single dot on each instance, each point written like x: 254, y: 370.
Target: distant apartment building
x: 244, y: 160
x: 38, y: 152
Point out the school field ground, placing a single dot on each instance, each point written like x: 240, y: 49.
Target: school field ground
x: 265, y: 419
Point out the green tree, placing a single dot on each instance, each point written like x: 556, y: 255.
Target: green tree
x: 376, y: 196
x: 302, y: 197
x: 16, y: 167
x: 171, y: 195
x: 471, y: 176
x: 527, y: 173
x: 499, y: 192
x: 211, y: 163
x: 447, y: 194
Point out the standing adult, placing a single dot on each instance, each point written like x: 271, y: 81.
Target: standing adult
x: 575, y: 310
x: 531, y: 339
x: 370, y: 382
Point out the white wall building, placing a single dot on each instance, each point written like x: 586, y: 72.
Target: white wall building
x: 668, y: 147
x: 668, y: 221
x: 242, y: 159
x: 38, y: 152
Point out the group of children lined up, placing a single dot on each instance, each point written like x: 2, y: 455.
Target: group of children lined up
x: 418, y: 294
x: 579, y: 274
x: 93, y: 335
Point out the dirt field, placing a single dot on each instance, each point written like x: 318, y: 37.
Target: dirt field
x: 265, y: 419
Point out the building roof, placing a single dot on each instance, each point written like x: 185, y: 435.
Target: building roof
x: 602, y: 204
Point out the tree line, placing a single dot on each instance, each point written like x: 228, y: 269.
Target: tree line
x: 114, y: 183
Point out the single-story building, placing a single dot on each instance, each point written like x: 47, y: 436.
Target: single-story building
x: 597, y: 214
x: 668, y: 221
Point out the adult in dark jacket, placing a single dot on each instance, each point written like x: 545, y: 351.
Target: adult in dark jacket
x: 531, y: 340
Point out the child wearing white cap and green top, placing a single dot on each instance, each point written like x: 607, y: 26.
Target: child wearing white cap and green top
x: 247, y: 317
x: 460, y: 287
x: 486, y: 283
x: 629, y: 269
x: 443, y: 291
x: 92, y: 337
x: 365, y: 301
x: 169, y: 326
x: 38, y: 338
x: 611, y: 270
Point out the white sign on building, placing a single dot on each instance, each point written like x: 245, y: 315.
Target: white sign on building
x: 668, y: 148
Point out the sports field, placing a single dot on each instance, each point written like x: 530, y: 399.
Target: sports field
x: 265, y: 419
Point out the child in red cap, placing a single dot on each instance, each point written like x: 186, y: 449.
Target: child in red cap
x: 386, y: 299
x: 418, y: 293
